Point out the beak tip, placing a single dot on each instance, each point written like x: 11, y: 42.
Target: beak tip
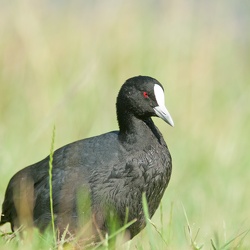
x: 163, y: 113
x: 171, y: 123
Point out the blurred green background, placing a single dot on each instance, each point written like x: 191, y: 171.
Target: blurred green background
x: 63, y: 62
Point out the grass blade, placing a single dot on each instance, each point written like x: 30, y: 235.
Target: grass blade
x: 120, y: 230
x: 50, y: 184
x: 147, y: 219
x: 243, y: 234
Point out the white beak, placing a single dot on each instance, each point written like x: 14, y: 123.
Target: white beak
x: 162, y: 112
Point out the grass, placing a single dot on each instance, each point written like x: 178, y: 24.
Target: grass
x: 63, y: 64
x: 50, y: 184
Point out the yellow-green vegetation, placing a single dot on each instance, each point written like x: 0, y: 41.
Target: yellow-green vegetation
x: 63, y: 62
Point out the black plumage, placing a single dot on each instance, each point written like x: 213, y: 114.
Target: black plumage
x: 100, y: 175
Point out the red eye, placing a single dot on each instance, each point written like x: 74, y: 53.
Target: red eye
x: 145, y: 94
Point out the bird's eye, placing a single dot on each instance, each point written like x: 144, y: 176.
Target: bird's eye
x: 145, y: 94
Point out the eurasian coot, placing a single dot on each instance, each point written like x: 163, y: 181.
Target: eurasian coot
x: 101, y: 175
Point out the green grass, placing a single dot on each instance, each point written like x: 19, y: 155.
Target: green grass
x: 50, y: 184
x: 63, y: 64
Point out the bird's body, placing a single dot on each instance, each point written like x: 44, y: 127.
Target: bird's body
x: 102, y: 174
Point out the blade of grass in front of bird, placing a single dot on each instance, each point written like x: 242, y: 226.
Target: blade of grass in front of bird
x: 125, y: 221
x: 62, y: 241
x: 120, y: 230
x: 147, y: 219
x: 50, y: 184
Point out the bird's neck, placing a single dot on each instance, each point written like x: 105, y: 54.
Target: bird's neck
x: 134, y: 130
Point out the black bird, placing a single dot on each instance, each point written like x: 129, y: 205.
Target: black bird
x: 101, y: 175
